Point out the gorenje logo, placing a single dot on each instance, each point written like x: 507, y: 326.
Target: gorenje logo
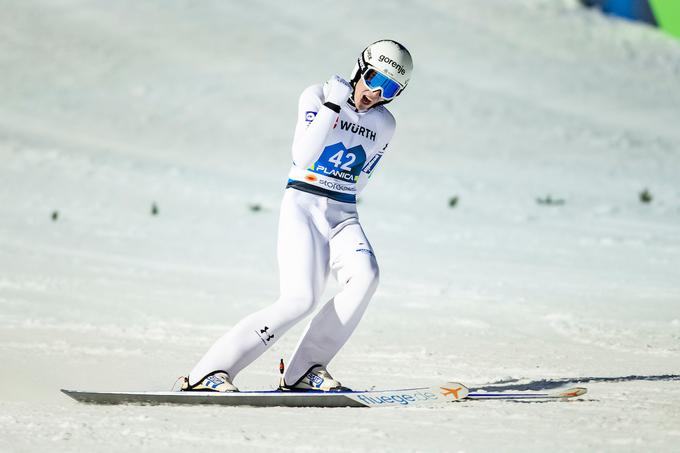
x: 400, y: 69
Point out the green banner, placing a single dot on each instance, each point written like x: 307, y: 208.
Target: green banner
x: 667, y: 14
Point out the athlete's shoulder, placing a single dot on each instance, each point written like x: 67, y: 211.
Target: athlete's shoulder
x: 386, y: 117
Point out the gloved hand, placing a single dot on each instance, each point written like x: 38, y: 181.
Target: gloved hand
x: 337, y: 90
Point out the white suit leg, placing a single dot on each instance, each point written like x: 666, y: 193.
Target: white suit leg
x: 303, y: 256
x: 356, y: 268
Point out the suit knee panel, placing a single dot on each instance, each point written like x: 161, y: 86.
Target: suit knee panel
x: 367, y: 274
x: 297, y: 307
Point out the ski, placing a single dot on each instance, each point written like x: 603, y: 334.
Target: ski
x: 529, y: 395
x: 419, y: 396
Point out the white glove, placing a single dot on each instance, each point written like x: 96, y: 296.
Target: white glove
x: 337, y: 90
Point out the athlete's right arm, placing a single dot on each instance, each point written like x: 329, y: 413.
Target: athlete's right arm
x: 315, y: 120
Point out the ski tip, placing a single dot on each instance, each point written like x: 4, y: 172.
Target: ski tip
x: 573, y: 392
x: 69, y: 393
x: 453, y: 391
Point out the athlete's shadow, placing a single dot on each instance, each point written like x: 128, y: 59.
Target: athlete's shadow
x: 547, y: 384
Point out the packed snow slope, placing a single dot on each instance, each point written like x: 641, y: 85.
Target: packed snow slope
x: 107, y: 108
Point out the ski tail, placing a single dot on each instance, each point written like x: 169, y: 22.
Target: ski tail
x: 572, y: 392
x: 567, y: 393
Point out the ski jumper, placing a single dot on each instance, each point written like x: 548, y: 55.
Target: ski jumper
x: 334, y: 155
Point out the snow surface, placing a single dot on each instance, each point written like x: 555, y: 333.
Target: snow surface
x: 108, y: 107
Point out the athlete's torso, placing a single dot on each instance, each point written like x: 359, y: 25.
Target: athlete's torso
x: 352, y: 149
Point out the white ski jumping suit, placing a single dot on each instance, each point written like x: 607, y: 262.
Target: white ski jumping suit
x: 319, y: 233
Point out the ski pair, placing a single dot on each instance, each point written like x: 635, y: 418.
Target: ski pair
x: 429, y: 396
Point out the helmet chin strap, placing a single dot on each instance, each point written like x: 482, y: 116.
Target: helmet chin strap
x: 350, y: 101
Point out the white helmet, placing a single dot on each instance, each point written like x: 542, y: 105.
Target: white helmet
x: 387, y: 57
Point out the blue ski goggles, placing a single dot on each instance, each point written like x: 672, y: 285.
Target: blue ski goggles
x: 378, y: 81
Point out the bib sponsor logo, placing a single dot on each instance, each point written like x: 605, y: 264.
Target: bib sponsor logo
x: 336, y: 186
x: 338, y: 162
x: 356, y: 129
x: 311, y: 178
